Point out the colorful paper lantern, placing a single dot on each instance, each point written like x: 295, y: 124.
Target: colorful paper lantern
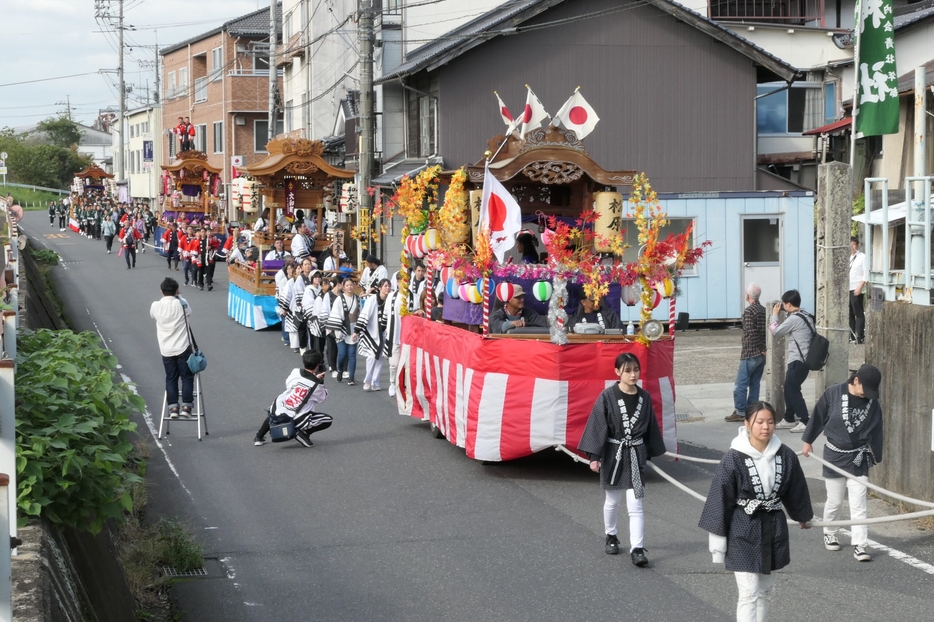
x: 505, y: 291
x: 444, y: 274
x: 629, y: 295
x: 656, y: 298
x: 542, y: 290
x: 452, y: 289
x: 432, y: 239
x: 462, y: 291
x: 665, y: 287
x: 473, y: 294
x: 481, y: 286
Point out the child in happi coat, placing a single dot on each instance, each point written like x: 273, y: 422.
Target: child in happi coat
x: 757, y: 478
x: 622, y: 433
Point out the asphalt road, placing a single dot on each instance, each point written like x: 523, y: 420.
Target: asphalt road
x: 379, y: 521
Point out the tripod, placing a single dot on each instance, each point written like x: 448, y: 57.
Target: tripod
x: 197, y: 414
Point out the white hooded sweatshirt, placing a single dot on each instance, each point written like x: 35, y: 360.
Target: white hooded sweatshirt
x: 765, y: 465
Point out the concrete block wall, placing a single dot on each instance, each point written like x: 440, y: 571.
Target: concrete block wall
x: 899, y: 339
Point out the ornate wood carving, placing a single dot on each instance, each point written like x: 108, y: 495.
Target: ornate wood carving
x: 303, y: 147
x: 552, y: 137
x: 553, y: 172
x: 531, y: 194
x: 301, y: 168
x: 192, y: 154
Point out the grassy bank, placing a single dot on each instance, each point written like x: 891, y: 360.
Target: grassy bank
x: 30, y: 199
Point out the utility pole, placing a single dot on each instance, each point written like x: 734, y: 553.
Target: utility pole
x: 273, y: 72
x: 367, y: 129
x: 120, y: 144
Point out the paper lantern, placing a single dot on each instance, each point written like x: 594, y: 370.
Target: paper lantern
x: 463, y: 292
x: 505, y: 291
x: 452, y: 289
x: 665, y: 287
x: 656, y: 298
x: 473, y: 294
x: 481, y: 286
x: 432, y: 239
x: 415, y: 245
x: 542, y: 290
x: 629, y: 295
x: 444, y: 274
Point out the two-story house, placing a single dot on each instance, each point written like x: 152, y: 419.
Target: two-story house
x: 143, y: 152
x: 220, y: 80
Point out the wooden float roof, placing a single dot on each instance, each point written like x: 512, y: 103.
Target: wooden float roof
x: 93, y: 172
x: 295, y: 157
x: 195, y: 162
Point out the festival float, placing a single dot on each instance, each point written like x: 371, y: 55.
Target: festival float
x: 295, y: 176
x: 190, y: 188
x: 506, y: 396
x: 92, y: 178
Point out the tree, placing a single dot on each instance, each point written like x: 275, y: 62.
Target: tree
x: 61, y: 131
x: 47, y: 165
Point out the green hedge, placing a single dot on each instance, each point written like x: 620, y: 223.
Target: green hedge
x: 76, y: 465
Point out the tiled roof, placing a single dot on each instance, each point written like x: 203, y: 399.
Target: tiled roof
x: 249, y: 25
x: 508, y: 17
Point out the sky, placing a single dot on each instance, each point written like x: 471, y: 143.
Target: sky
x: 44, y: 39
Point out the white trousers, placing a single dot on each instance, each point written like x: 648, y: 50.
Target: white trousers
x: 755, y: 596
x: 859, y: 508
x: 373, y: 368
x: 393, y: 363
x: 293, y: 339
x: 636, y: 516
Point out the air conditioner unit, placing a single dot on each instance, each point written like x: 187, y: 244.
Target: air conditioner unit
x: 239, y: 120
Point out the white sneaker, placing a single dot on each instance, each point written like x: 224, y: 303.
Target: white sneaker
x: 785, y: 425
x: 798, y: 429
x: 346, y: 375
x: 374, y: 387
x: 392, y: 390
x: 831, y: 543
x: 366, y: 387
x: 333, y: 374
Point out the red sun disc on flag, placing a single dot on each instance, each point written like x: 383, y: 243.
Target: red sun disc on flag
x: 497, y: 213
x: 527, y: 114
x: 578, y: 115
x: 505, y: 112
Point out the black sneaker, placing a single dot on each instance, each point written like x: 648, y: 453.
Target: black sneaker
x: 638, y: 558
x: 612, y: 544
x: 304, y: 438
x: 259, y: 440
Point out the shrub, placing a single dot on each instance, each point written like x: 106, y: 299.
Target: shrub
x: 46, y: 256
x: 75, y: 462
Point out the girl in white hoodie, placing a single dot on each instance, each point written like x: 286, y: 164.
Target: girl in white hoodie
x: 757, y: 478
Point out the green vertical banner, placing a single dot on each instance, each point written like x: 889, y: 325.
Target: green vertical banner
x: 876, y: 77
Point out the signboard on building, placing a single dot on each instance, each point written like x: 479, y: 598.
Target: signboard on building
x: 147, y: 151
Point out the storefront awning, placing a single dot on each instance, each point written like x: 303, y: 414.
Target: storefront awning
x: 897, y: 212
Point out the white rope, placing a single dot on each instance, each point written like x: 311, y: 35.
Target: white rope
x: 879, y: 489
x: 691, y: 458
x: 678, y: 484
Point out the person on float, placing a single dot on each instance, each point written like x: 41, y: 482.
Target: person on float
x: 346, y: 267
x: 231, y: 244
x: 323, y: 307
x: 373, y: 273
x: 284, y: 279
x: 513, y: 314
x: 304, y: 392
x: 756, y: 479
x: 526, y: 244
x: 850, y: 417
x: 262, y: 223
x: 371, y: 327
x: 302, y: 244
x: 278, y: 252
x: 343, y: 318
x: 331, y: 261
x: 592, y: 311
x: 622, y: 433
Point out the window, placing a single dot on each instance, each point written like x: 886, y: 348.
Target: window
x: 201, y: 142
x: 830, y: 102
x: 172, y: 85
x: 217, y: 63
x: 260, y: 134
x: 675, y: 226
x: 218, y: 137
x: 789, y: 111
x: 261, y: 65
x: 183, y: 81
x: 201, y: 90
x: 287, y: 26
x: 289, y: 118
x: 426, y: 127
x: 306, y: 112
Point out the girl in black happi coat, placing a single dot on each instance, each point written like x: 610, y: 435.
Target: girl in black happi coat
x: 621, y: 434
x: 757, y: 478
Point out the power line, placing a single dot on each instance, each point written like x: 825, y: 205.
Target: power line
x: 74, y: 75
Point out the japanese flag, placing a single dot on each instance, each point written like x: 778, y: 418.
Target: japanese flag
x: 500, y: 214
x: 576, y: 114
x: 533, y: 114
x: 511, y: 124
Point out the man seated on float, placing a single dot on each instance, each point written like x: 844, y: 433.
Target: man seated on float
x: 513, y: 315
x: 278, y: 253
x: 592, y: 311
